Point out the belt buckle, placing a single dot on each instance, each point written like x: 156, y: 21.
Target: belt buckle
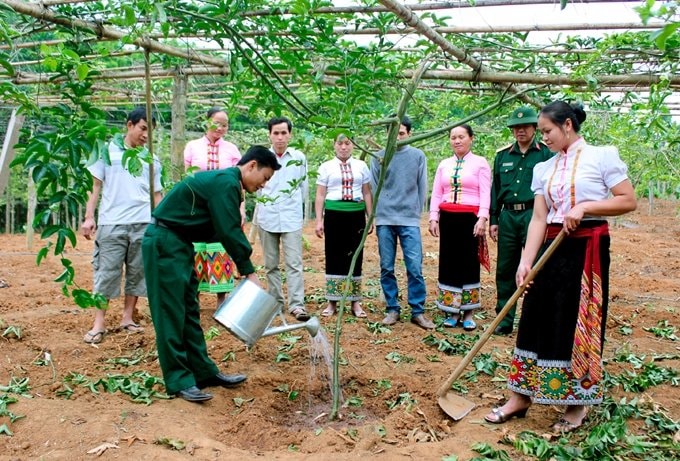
x: 517, y: 207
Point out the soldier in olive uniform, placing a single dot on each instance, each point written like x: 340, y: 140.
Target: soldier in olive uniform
x: 512, y: 202
x: 204, y: 207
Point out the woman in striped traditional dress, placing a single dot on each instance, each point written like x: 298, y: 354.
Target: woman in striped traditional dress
x: 459, y: 211
x: 558, y: 354
x: 343, y: 200
x: 214, y: 268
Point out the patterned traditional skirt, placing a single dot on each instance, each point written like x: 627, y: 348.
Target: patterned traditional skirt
x: 541, y: 364
x: 459, y: 287
x: 214, y: 268
x: 343, y: 230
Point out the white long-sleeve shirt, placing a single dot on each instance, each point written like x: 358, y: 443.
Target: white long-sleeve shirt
x: 284, y: 195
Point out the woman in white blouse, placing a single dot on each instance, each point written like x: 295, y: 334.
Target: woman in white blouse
x: 343, y: 200
x: 558, y: 354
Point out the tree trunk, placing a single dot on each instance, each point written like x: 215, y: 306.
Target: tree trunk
x: 178, y: 131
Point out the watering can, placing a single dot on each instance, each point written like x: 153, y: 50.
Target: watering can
x: 248, y: 312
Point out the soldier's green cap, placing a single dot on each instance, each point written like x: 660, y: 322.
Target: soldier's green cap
x: 523, y: 116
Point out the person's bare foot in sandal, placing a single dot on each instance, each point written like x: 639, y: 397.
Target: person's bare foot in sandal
x: 516, y: 406
x: 573, y: 418
x: 329, y: 311
x: 132, y: 327
x: 357, y: 310
x: 94, y: 337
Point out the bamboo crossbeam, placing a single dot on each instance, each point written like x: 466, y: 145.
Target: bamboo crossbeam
x: 413, y: 7
x: 62, y: 2
x: 628, y: 80
x: 553, y: 50
x: 487, y: 28
x: 45, y: 15
x: 38, y: 43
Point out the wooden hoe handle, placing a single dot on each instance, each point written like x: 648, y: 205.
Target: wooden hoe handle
x: 489, y: 331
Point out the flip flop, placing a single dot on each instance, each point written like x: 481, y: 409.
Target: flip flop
x: 328, y: 311
x: 132, y: 328
x: 94, y: 337
x: 469, y: 325
x: 358, y: 311
x: 450, y: 322
x: 300, y: 314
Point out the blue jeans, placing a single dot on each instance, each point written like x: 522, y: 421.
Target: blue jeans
x: 412, y: 247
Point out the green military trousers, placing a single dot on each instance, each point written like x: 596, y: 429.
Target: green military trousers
x: 512, y: 234
x: 172, y: 289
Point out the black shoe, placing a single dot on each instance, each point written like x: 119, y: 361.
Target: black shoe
x: 503, y: 330
x: 223, y: 380
x: 194, y: 394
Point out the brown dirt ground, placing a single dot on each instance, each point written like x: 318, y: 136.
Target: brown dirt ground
x: 268, y: 425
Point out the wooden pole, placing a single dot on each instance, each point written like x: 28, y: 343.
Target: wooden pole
x: 8, y: 204
x: 149, y: 121
x: 30, y: 212
x: 14, y: 125
x: 179, y: 118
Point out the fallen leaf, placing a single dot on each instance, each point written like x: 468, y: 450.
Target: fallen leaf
x: 102, y: 448
x: 238, y: 401
x: 130, y: 439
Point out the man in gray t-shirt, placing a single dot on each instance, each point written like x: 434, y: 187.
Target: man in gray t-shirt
x: 124, y: 213
x: 397, y: 217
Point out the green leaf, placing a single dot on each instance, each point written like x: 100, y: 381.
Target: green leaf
x: 130, y: 16
x: 42, y: 254
x: 5, y: 430
x: 71, y: 54
x: 282, y: 357
x: 8, y: 67
x: 563, y: 4
x: 661, y: 36
x: 82, y: 70
x: 160, y: 10
x: 49, y: 231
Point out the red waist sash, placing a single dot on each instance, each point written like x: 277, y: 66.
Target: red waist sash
x: 586, y: 357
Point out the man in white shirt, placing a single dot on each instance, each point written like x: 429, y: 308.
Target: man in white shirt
x: 124, y: 213
x: 280, y: 218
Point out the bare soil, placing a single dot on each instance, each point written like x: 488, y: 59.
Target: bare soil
x: 279, y: 412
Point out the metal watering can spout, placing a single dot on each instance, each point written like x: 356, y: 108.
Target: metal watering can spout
x: 249, y: 310
x: 311, y: 325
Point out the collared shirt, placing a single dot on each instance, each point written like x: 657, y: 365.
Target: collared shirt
x: 512, y: 173
x: 466, y: 182
x: 329, y: 175
x: 284, y: 194
x: 125, y: 198
x: 583, y: 173
x: 196, y: 153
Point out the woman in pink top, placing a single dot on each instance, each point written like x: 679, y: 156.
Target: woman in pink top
x: 214, y: 268
x: 459, y: 210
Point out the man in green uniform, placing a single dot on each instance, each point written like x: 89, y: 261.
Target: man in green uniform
x: 512, y: 203
x: 204, y: 207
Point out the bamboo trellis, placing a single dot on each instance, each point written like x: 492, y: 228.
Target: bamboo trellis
x: 210, y: 62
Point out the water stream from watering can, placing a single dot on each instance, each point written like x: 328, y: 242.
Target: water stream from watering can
x: 321, y: 358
